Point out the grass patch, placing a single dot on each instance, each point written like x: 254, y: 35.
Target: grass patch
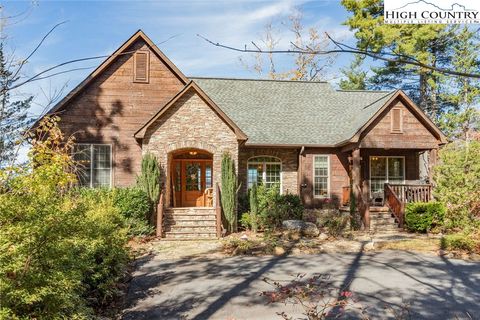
x: 424, y: 245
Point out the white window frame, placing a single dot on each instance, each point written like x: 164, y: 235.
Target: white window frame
x: 328, y: 176
x: 91, y: 145
x: 251, y: 160
x: 386, y: 168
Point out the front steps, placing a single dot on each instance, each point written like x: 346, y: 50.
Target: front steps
x: 382, y: 220
x: 190, y: 223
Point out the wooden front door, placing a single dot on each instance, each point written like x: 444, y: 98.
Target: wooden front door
x: 191, y: 180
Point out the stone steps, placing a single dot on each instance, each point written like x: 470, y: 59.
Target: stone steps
x: 382, y: 221
x: 190, y: 223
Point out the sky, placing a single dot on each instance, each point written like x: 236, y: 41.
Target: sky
x: 95, y: 28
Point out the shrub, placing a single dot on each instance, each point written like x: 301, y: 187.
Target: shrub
x: 149, y: 181
x: 332, y: 219
x: 61, y: 253
x: 422, y: 217
x: 457, y: 176
x: 458, y: 241
x: 253, y: 197
x: 273, y: 207
x: 229, y: 192
x: 133, y: 204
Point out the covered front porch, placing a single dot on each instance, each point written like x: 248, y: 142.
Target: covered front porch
x: 388, y: 178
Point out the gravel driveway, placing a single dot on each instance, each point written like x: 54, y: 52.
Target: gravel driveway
x: 228, y: 288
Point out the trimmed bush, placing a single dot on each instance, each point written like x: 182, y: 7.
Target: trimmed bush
x: 229, y: 192
x: 423, y: 216
x: 458, y: 241
x: 274, y: 207
x: 149, y: 182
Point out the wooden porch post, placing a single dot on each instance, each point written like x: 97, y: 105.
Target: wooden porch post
x: 160, y: 215
x: 432, y: 161
x: 356, y: 180
x: 366, y: 205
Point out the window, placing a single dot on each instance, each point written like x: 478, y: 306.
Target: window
x: 396, y: 125
x: 386, y: 169
x: 266, y: 170
x: 94, y: 163
x: 321, y: 169
x: 141, y: 64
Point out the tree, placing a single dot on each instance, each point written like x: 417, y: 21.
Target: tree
x: 13, y: 114
x: 229, y: 192
x: 356, y: 78
x: 149, y: 181
x: 426, y: 43
x: 304, y: 66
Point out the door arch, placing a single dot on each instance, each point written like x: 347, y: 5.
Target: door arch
x: 192, y: 178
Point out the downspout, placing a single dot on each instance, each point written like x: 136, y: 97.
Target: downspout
x: 301, y: 185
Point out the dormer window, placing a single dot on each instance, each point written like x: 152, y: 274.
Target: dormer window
x: 397, y: 121
x: 141, y: 66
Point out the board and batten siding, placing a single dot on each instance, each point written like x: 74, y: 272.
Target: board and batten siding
x: 386, y: 133
x: 113, y: 106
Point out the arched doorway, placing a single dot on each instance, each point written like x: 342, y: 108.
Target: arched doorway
x: 192, y: 178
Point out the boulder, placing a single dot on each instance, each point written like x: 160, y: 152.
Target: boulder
x: 278, y: 251
x: 323, y: 236
x: 307, y: 229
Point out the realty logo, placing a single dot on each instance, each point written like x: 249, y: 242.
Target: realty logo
x: 431, y: 11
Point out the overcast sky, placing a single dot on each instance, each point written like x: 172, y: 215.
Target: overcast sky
x: 98, y: 28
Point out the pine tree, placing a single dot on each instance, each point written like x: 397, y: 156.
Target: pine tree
x: 356, y: 77
x: 13, y: 114
x: 426, y: 43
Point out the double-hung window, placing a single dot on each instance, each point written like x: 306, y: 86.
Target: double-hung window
x: 264, y: 170
x: 321, y: 170
x: 94, y: 164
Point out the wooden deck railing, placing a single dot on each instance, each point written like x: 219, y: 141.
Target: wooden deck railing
x: 412, y: 192
x: 395, y: 204
x: 160, y: 208
x: 218, y: 211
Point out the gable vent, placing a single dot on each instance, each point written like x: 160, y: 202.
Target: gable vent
x: 397, y: 125
x: 141, y: 66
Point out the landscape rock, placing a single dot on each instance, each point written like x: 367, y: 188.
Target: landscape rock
x: 323, y: 236
x: 307, y: 229
x: 279, y: 251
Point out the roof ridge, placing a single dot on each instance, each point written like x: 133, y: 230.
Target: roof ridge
x: 252, y: 79
x: 353, y: 90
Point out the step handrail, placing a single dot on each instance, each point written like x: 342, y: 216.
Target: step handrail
x: 218, y: 211
x: 394, y: 204
x: 160, y: 209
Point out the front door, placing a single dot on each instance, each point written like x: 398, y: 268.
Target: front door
x: 195, y: 177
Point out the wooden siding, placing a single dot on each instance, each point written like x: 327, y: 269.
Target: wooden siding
x: 338, y: 175
x: 112, y: 107
x: 413, y: 135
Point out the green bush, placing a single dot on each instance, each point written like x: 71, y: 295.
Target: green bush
x: 422, y: 217
x: 273, y: 207
x: 133, y: 204
x: 458, y: 241
x: 61, y: 253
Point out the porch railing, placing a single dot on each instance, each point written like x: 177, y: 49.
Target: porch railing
x: 396, y: 205
x: 397, y: 195
x: 413, y: 192
x: 218, y: 211
x: 160, y: 208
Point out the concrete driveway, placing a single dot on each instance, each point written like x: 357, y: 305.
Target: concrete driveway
x: 228, y: 288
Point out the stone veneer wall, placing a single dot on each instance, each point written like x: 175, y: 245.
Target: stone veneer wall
x: 289, y: 157
x: 190, y: 123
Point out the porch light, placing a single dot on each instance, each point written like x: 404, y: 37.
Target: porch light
x: 193, y: 153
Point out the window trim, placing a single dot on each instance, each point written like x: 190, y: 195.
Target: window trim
x: 91, y: 145
x: 392, y: 130
x: 264, y: 169
x: 147, y: 66
x: 386, y: 168
x: 328, y: 176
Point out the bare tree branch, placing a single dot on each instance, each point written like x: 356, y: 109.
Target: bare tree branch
x: 343, y: 48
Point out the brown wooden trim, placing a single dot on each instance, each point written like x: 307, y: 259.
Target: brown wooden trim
x: 140, y: 133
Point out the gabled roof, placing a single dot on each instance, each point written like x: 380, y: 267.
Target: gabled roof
x: 296, y: 113
x: 105, y: 64
x: 140, y: 133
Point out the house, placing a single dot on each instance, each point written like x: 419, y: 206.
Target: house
x: 309, y: 138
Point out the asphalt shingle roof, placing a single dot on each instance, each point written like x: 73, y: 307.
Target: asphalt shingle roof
x: 293, y: 112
